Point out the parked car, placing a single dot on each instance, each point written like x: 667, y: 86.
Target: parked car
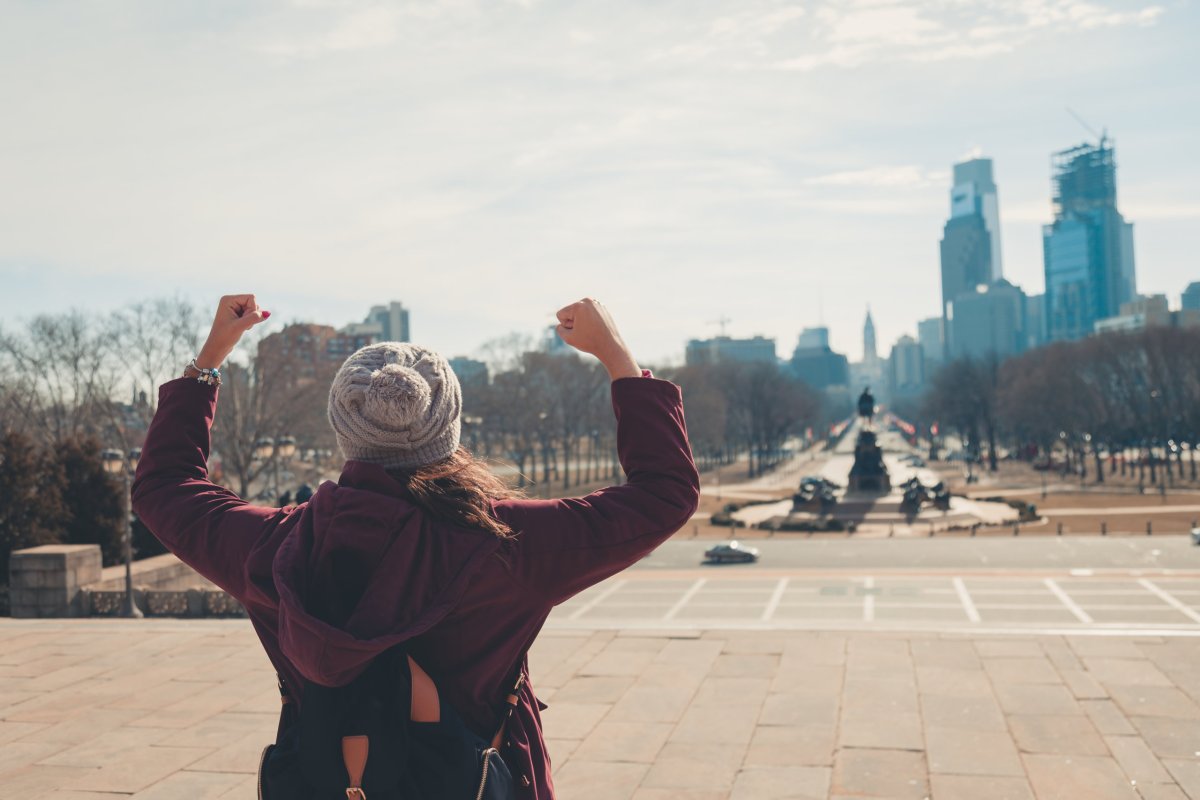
x: 731, y: 553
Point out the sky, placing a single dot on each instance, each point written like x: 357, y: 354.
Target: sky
x: 757, y: 166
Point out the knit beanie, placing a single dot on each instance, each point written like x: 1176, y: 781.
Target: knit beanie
x: 397, y: 405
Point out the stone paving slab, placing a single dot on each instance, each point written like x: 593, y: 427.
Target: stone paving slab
x: 153, y: 709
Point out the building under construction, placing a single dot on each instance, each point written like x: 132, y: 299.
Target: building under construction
x: 1088, y: 249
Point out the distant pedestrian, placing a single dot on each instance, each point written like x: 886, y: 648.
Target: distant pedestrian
x: 285, y: 499
x: 303, y: 494
x: 417, y: 543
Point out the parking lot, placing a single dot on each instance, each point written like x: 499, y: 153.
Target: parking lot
x: 1164, y: 605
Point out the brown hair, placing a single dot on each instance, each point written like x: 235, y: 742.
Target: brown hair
x: 458, y: 489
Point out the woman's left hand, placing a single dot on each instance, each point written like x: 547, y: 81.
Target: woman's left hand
x: 236, y: 314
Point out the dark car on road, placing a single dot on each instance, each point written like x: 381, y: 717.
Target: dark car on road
x: 731, y: 553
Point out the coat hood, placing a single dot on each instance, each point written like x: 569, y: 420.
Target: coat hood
x: 365, y: 569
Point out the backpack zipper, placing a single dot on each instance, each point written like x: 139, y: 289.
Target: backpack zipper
x: 483, y: 778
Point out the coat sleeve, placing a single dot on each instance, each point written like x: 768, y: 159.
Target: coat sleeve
x: 564, y: 546
x: 207, y: 526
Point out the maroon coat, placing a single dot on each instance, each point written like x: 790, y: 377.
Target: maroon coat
x: 359, y: 568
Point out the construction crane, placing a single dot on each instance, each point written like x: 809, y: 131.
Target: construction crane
x: 1102, y: 137
x: 722, y: 321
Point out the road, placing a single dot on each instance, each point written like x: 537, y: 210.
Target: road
x: 1003, y: 553
x: 1076, y: 585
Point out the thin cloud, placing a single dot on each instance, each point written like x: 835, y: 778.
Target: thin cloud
x: 850, y: 35
x: 907, y: 176
x: 364, y: 29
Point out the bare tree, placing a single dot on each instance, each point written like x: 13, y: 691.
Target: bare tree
x: 61, y: 379
x: 153, y: 340
x: 261, y: 397
x: 505, y: 353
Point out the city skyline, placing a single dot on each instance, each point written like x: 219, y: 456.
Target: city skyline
x: 331, y: 157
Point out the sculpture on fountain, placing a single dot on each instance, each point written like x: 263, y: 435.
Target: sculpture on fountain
x: 869, y: 474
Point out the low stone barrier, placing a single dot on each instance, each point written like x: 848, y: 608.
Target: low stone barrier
x: 158, y: 572
x: 46, y: 581
x: 68, y: 581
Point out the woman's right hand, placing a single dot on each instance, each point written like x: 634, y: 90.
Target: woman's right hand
x: 587, y: 326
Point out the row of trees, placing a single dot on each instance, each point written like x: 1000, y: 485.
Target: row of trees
x: 1101, y: 397
x: 72, y: 384
x: 66, y: 377
x: 551, y: 415
x: 61, y: 495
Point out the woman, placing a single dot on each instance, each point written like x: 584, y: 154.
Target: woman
x: 416, y: 542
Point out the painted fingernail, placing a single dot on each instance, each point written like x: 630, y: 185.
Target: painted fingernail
x: 266, y: 314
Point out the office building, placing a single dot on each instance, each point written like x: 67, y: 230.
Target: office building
x: 1088, y: 248
x: 552, y: 344
x: 299, y: 353
x: 1138, y: 314
x: 988, y: 322
x: 1190, y: 301
x: 974, y: 195
x: 906, y: 369
x: 392, y: 321
x: 813, y: 338
x: 725, y: 349
x: 350, y: 339
x: 970, y: 246
x: 931, y: 337
x: 1035, y: 321
x: 816, y: 364
x: 469, y: 371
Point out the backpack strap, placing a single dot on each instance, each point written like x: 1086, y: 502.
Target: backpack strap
x: 425, y: 705
x: 354, y: 756
x: 511, y: 702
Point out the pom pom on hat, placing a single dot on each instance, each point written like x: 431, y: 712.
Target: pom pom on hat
x: 396, y: 404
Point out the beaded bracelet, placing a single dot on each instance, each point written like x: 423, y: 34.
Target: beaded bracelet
x: 210, y: 376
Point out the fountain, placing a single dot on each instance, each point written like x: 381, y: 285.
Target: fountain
x: 869, y: 475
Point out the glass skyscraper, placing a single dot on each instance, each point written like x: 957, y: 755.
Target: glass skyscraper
x: 1088, y: 249
x: 970, y: 247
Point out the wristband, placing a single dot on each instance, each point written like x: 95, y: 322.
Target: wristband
x: 210, y: 376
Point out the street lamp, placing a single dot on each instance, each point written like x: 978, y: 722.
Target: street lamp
x: 285, y: 448
x: 264, y: 448
x: 593, y: 459
x: 542, y: 416
x: 117, y: 463
x: 472, y: 423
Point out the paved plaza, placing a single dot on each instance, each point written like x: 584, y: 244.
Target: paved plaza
x: 963, y: 671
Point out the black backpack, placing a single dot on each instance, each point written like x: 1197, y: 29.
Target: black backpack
x: 357, y: 742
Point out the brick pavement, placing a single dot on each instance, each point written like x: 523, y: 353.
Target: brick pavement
x: 94, y: 709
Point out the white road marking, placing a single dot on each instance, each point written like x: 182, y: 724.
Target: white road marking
x: 597, y: 600
x: 802, y: 602
x: 688, y: 595
x: 967, y: 603
x: 1170, y: 600
x: 776, y: 596
x: 1104, y: 629
x: 1079, y: 613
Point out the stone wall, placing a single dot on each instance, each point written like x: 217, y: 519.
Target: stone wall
x: 158, y: 572
x: 68, y: 581
x: 47, y: 581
